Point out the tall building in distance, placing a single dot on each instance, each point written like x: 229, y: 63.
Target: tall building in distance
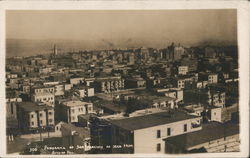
x: 55, y: 50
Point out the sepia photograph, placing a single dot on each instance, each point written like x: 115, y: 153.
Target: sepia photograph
x: 122, y: 81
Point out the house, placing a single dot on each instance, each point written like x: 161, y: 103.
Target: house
x: 209, y: 77
x: 32, y: 115
x: 76, y: 137
x: 76, y: 80
x: 45, y: 97
x: 108, y: 84
x: 194, y: 109
x: 182, y: 70
x: 215, y: 113
x: 136, y: 82
x: 69, y: 111
x: 213, y: 78
x: 44, y: 70
x: 217, y: 98
x: 59, y: 90
x: 84, y: 91
x: 173, y: 93
x: 43, y: 89
x: 141, y: 134
x: 84, y: 120
x: 181, y: 81
x: 58, y: 128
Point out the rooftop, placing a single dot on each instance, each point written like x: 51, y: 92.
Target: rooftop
x: 156, y: 119
x: 74, y: 103
x: 86, y: 116
x: 31, y: 106
x: 110, y: 105
x: 83, y: 132
x: 43, y: 94
x: 210, y: 131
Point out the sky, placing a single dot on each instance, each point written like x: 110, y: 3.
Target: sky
x: 152, y: 27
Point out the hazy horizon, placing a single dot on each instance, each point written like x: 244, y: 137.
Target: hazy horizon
x: 103, y: 29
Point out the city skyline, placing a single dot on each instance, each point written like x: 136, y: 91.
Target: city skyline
x: 124, y: 27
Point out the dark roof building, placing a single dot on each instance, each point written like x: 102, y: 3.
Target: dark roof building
x: 146, y: 121
x: 214, y: 137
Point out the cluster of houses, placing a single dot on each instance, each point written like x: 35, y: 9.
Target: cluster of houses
x: 141, y: 100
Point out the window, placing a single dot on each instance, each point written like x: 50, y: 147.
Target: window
x: 73, y: 118
x: 32, y: 123
x: 31, y: 116
x: 41, y: 122
x: 158, y: 133
x: 158, y: 148
x: 185, y: 127
x: 40, y: 114
x: 79, y: 109
x: 168, y: 131
x: 50, y: 113
x: 12, y: 108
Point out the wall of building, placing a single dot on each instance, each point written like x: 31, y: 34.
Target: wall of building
x: 42, y: 117
x: 216, y: 114
x: 59, y: 90
x: 229, y: 144
x: 48, y: 99
x: 51, y: 117
x: 33, y: 118
x: 145, y: 140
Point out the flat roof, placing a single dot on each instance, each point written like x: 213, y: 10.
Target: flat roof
x: 43, y: 94
x: 84, y: 132
x: 151, y: 120
x: 86, y: 116
x: 31, y: 106
x: 155, y: 98
x: 210, y: 131
x: 110, y: 105
x: 74, y: 103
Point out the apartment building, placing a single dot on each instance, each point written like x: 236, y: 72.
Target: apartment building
x: 32, y: 115
x: 44, y: 97
x: 173, y: 93
x: 217, y: 98
x: 108, y: 85
x: 142, y: 134
x: 136, y: 82
x: 84, y: 91
x: 182, y: 70
x: 43, y: 89
x: 59, y: 90
x: 69, y: 111
x: 209, y: 77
